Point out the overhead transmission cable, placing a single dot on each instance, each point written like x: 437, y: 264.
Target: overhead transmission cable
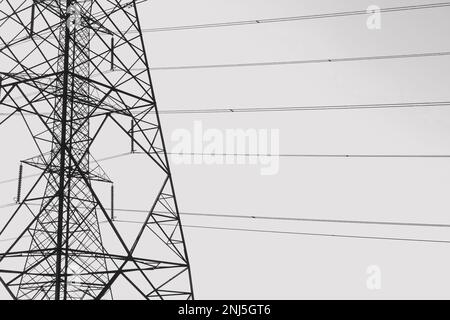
x: 310, y: 108
x: 283, y: 19
x: 274, y: 218
x: 295, y: 18
x: 293, y: 219
x: 402, y: 105
x: 299, y: 62
x: 310, y: 234
x: 316, y: 155
x: 328, y: 235
x: 282, y: 155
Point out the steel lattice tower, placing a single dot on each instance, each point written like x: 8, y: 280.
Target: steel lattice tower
x: 70, y: 68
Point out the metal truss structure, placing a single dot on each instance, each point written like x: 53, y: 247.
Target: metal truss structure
x: 69, y: 68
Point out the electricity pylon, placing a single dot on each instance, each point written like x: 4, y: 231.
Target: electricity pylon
x: 71, y: 68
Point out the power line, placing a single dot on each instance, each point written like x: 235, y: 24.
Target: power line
x: 332, y: 235
x: 253, y: 217
x: 8, y: 205
x: 282, y: 19
x: 329, y: 235
x: 114, y: 156
x: 304, y: 155
x: 311, y: 108
x: 401, y: 105
x: 300, y: 62
x: 281, y: 155
x: 296, y: 18
x: 287, y: 19
x: 297, y: 233
x: 15, y: 179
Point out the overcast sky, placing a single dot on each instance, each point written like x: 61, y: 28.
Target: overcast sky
x: 229, y: 264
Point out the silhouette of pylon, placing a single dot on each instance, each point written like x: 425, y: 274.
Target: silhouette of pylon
x: 74, y: 68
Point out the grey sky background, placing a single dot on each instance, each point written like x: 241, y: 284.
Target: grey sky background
x: 232, y: 264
